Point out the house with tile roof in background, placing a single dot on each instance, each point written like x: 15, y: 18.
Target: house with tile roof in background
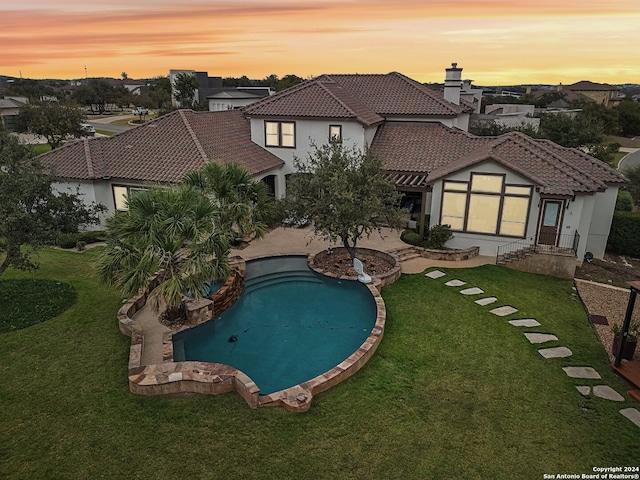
x: 503, y: 194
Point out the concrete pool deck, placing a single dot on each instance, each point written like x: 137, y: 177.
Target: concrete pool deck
x: 292, y: 241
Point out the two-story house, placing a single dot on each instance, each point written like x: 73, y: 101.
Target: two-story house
x: 493, y: 191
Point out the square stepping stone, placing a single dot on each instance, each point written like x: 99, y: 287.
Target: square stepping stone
x: 608, y: 393
x: 632, y: 414
x: 486, y: 301
x: 435, y: 274
x: 472, y: 291
x: 504, y: 311
x: 555, y: 352
x: 525, y: 322
x: 540, y: 337
x: 581, y: 372
x: 455, y: 283
x: 584, y: 390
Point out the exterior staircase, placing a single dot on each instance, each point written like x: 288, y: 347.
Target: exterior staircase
x: 522, y: 252
x: 406, y: 253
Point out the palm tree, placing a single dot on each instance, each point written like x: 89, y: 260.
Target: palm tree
x: 174, y: 231
x: 244, y: 204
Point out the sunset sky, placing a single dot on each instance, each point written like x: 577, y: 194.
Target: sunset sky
x: 494, y: 41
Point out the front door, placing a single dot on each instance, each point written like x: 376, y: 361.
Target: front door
x: 550, y: 216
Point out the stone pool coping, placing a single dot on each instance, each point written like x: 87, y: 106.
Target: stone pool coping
x: 171, y: 377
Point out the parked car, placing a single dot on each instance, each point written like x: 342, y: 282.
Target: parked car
x: 87, y: 129
x: 140, y: 111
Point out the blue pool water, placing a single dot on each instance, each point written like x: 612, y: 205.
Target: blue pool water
x: 290, y: 325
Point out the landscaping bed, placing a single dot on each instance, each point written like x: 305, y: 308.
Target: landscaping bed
x: 613, y: 270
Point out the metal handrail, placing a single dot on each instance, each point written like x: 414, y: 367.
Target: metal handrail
x: 564, y: 243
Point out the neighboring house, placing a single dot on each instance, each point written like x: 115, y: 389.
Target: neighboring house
x: 234, y: 98
x: 218, y: 98
x: 9, y: 110
x: 509, y: 115
x: 602, y: 93
x: 493, y: 191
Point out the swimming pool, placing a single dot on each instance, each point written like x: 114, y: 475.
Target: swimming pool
x: 289, y: 325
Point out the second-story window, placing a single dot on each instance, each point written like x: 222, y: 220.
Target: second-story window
x: 335, y: 133
x: 280, y: 134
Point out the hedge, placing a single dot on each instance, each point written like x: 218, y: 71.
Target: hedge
x: 624, y: 237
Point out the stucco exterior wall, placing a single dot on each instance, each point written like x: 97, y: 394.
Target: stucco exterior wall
x: 353, y: 135
x: 488, y: 243
x: 603, y: 206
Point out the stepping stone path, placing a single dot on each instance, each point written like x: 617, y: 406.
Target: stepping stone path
x: 435, y: 274
x: 486, y: 301
x: 472, y: 291
x: 540, y: 337
x: 504, y: 311
x: 525, y: 322
x: 584, y: 390
x: 632, y: 414
x: 600, y: 391
x: 608, y: 393
x: 581, y: 372
x: 555, y: 352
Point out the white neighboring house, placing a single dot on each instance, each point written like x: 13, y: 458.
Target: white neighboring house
x: 510, y: 115
x: 493, y: 191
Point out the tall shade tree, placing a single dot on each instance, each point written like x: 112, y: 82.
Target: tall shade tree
x: 184, y: 90
x: 32, y: 214
x: 243, y: 203
x: 344, y: 192
x: 56, y: 121
x: 174, y: 232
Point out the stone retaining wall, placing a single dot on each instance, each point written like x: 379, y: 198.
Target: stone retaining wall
x: 380, y: 281
x: 454, y: 255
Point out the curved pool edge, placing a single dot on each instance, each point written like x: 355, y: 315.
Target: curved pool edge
x: 171, y: 377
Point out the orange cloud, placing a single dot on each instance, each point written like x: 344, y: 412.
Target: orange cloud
x: 528, y: 40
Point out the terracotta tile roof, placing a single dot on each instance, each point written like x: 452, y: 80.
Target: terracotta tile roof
x: 438, y: 151
x: 164, y: 149
x: 587, y: 86
x: 365, y: 98
x: 315, y: 99
x: 394, y: 94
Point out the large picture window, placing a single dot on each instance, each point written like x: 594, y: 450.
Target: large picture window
x: 486, y: 205
x: 280, y: 134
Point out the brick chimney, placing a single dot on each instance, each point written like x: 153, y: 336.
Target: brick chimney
x: 453, y: 84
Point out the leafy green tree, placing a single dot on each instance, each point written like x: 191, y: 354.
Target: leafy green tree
x: 160, y: 93
x: 32, y: 214
x: 243, y: 203
x: 174, y: 231
x: 184, y: 90
x: 605, y: 153
x: 633, y: 187
x: 629, y: 117
x: 56, y: 121
x: 34, y: 90
x: 570, y: 132
x: 99, y: 96
x: 624, y: 201
x: 345, y: 192
x: 493, y: 129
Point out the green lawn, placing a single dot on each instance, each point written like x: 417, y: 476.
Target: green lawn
x: 452, y: 392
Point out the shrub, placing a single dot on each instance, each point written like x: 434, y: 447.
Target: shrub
x: 411, y: 237
x: 624, y: 202
x: 67, y: 240
x: 92, y: 236
x: 624, y: 237
x: 438, y: 236
x: 80, y: 245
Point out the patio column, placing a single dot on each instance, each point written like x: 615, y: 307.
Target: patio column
x: 635, y: 288
x: 423, y: 211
